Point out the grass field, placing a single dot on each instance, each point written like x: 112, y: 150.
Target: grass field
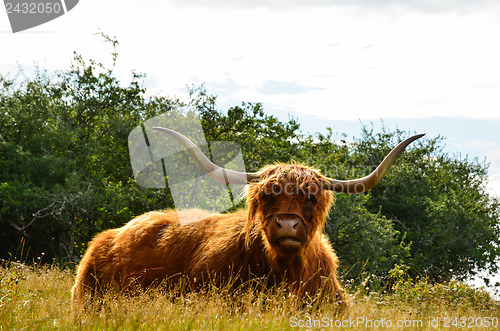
x: 38, y: 297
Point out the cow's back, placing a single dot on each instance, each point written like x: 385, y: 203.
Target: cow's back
x: 150, y: 248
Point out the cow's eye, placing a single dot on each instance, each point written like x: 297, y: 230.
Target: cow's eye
x: 309, y: 204
x: 311, y: 200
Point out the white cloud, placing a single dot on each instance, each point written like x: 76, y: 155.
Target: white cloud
x: 416, y: 66
x: 491, y: 150
x: 369, y: 61
x: 416, y: 5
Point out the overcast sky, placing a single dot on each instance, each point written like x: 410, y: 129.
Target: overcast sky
x: 375, y: 59
x: 426, y: 66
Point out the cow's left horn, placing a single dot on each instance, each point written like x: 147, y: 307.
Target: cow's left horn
x: 218, y: 173
x: 366, y: 183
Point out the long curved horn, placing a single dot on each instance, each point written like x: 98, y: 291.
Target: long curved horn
x: 223, y: 175
x: 366, y: 183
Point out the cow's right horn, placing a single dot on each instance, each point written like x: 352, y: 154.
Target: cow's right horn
x: 223, y: 175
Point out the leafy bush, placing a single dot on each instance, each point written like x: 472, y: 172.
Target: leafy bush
x: 454, y: 295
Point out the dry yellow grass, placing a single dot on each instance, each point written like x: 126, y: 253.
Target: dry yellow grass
x: 38, y: 298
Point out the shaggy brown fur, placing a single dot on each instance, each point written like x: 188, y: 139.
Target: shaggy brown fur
x: 278, y: 237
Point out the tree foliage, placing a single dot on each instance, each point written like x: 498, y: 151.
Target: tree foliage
x: 65, y: 175
x: 439, y: 202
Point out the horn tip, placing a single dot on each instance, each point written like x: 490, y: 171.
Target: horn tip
x: 159, y: 128
x: 162, y: 129
x: 415, y: 137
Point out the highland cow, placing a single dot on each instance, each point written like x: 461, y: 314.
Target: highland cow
x: 278, y: 237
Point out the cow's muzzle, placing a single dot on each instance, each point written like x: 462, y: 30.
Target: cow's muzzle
x: 288, y: 231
